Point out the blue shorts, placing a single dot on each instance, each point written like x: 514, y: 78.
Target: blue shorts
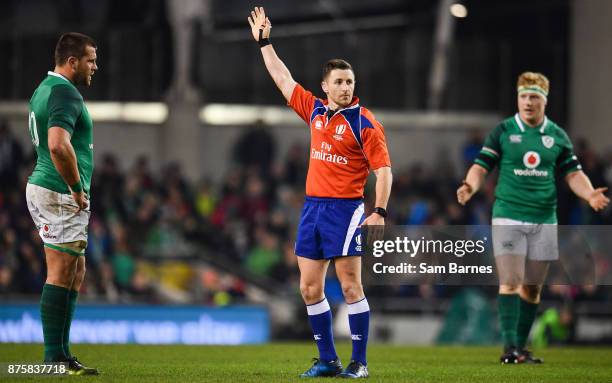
x: 329, y: 228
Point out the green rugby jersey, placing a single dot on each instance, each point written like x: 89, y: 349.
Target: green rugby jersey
x: 57, y: 102
x: 529, y: 160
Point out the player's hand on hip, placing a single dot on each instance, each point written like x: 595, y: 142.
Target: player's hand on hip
x: 464, y: 194
x: 374, y: 228
x: 598, y: 200
x: 374, y: 219
x: 260, y: 24
x: 81, y: 200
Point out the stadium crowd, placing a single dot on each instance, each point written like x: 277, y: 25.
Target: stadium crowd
x: 155, y: 237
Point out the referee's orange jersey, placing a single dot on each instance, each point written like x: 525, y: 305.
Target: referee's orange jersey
x: 344, y: 146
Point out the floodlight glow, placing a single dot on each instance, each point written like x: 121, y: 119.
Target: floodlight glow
x: 458, y: 10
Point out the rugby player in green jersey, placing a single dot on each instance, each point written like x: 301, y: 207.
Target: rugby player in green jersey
x: 57, y: 192
x: 530, y: 151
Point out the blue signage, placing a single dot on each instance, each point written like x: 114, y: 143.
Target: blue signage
x: 144, y: 324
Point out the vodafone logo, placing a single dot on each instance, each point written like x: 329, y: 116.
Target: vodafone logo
x: 358, y: 239
x: 45, y: 232
x: 531, y: 159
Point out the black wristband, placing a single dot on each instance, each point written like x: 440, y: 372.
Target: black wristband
x: 263, y: 42
x: 380, y: 211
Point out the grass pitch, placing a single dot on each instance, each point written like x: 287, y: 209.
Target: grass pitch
x: 283, y: 362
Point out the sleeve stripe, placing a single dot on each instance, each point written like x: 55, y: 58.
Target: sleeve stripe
x: 568, y: 165
x: 486, y: 160
x: 481, y: 163
x: 565, y: 161
x: 579, y: 167
x: 61, y: 124
x: 490, y: 151
x: 488, y: 154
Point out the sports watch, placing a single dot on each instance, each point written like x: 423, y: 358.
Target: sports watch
x: 380, y: 211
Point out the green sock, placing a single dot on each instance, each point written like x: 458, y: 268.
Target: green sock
x: 53, y: 311
x: 508, y: 311
x: 72, y: 299
x: 527, y: 314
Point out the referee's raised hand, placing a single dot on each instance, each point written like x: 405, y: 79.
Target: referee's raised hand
x: 260, y: 24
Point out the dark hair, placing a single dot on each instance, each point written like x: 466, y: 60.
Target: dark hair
x: 72, y: 44
x: 335, y: 64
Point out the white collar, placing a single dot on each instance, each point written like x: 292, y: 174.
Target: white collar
x: 342, y: 109
x: 51, y: 73
x: 522, y: 127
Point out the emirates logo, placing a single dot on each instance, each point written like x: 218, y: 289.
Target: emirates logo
x: 531, y: 159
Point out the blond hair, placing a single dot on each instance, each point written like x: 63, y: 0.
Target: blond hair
x: 533, y: 82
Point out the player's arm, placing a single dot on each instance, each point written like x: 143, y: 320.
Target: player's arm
x: 260, y: 27
x: 485, y: 162
x: 376, y: 221
x: 375, y: 149
x: 384, y: 180
x: 64, y: 109
x: 582, y: 187
x: 473, y: 181
x: 569, y: 168
x: 63, y: 155
x: 64, y: 159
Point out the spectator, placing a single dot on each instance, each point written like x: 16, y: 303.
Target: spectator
x: 256, y: 149
x: 265, y: 255
x: 11, y: 158
x: 140, y: 217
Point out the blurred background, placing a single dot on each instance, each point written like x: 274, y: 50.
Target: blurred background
x: 200, y: 166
